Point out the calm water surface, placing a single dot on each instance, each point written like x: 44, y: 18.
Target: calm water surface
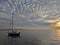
x: 32, y: 37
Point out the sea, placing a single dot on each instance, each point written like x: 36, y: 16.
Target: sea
x: 31, y: 37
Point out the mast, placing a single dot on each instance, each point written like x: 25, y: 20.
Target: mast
x: 12, y: 22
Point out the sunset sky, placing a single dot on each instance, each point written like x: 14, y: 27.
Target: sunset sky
x: 29, y: 13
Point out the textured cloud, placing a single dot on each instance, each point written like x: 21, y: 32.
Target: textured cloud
x: 29, y: 11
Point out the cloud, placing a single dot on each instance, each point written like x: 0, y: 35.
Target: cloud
x: 30, y: 11
x: 4, y: 25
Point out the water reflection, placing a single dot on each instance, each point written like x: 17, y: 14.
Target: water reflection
x: 39, y: 37
x: 57, y: 33
x: 54, y: 38
x: 32, y: 37
x: 13, y: 40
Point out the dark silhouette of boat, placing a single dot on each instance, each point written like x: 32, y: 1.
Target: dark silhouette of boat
x: 13, y: 33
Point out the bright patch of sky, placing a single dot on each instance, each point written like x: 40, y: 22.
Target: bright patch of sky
x: 29, y: 12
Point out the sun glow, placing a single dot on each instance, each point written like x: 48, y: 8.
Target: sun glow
x: 57, y: 24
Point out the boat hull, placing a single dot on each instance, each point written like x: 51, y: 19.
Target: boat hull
x: 11, y: 34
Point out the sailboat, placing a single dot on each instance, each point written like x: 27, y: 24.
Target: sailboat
x: 13, y: 33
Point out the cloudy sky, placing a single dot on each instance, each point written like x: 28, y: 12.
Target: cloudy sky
x: 29, y: 12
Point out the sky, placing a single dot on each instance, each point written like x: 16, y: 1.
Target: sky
x: 28, y: 13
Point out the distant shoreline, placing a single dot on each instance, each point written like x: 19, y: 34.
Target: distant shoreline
x: 26, y: 29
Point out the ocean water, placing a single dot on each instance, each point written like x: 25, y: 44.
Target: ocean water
x: 32, y: 37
